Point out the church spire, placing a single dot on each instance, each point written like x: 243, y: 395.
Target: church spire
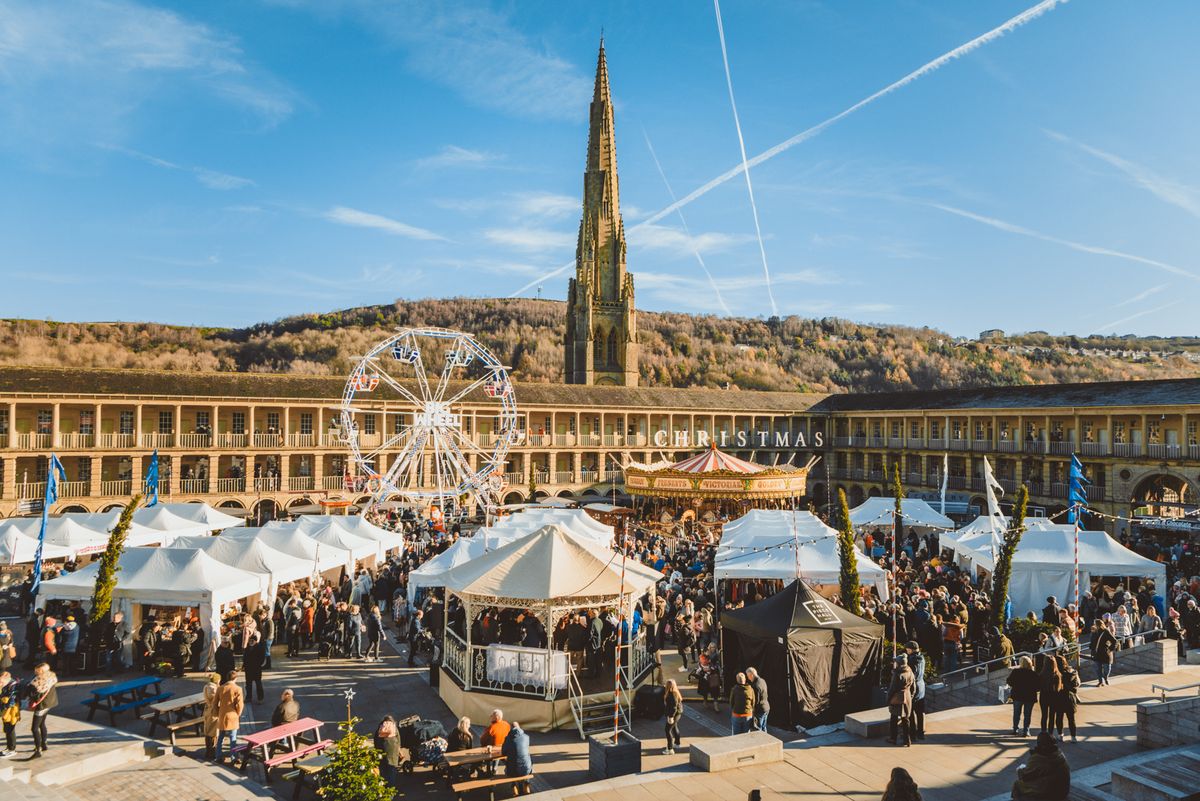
x: 601, y: 337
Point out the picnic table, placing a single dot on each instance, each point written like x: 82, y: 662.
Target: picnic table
x: 187, y: 709
x: 307, y: 773
x: 299, y: 739
x: 469, y: 757
x: 125, y: 695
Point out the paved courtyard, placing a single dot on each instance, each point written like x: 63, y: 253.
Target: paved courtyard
x: 968, y: 753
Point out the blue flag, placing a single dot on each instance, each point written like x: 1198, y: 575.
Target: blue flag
x: 152, y: 480
x: 54, y: 474
x: 1076, y: 495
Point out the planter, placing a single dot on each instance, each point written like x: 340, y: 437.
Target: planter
x: 607, y: 759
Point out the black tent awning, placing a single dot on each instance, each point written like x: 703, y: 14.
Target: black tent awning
x: 789, y: 612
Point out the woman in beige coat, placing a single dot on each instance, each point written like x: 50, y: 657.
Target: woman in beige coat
x: 210, y: 715
x: 230, y: 703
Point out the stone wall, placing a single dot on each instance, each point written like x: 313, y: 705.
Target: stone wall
x: 1176, y: 722
x: 1159, y: 656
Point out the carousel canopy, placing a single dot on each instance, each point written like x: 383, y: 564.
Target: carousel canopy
x: 214, y: 519
x: 294, y: 543
x: 168, y: 576
x: 716, y: 475
x: 17, y: 547
x: 551, y: 564
x: 879, y: 511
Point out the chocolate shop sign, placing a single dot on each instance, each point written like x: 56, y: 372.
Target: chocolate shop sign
x: 783, y: 440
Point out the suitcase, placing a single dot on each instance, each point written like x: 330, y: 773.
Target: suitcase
x: 649, y: 702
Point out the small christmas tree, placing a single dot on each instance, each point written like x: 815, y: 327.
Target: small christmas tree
x: 106, y: 576
x: 848, y: 557
x: 353, y: 770
x: 1012, y: 538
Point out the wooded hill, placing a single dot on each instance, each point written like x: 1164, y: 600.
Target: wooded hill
x: 681, y: 350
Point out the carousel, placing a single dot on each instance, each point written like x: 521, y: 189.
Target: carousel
x: 500, y: 645
x: 717, y: 483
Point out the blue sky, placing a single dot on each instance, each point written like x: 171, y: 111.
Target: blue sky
x: 223, y: 163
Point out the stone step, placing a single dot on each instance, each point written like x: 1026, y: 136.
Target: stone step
x: 1175, y: 777
x: 11, y: 790
x: 85, y: 767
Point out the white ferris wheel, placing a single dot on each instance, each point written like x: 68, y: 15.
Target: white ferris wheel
x: 430, y: 373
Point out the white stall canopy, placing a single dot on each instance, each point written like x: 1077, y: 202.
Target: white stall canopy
x: 17, y: 547
x: 294, y: 543
x: 774, y: 525
x: 213, y: 519
x: 916, y: 513
x: 814, y: 561
x: 252, y: 555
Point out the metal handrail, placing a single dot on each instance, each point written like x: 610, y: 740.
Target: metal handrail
x: 1070, y: 649
x: 1163, y: 690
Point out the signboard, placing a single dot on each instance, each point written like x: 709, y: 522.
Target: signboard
x: 822, y: 612
x: 30, y: 507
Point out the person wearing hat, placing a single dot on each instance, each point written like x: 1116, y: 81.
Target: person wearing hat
x: 1046, y: 774
x: 211, y: 727
x: 916, y: 661
x: 900, y: 699
x: 70, y: 644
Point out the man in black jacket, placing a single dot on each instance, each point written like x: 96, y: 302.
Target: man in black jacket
x: 1050, y: 611
x: 252, y: 667
x: 762, y: 706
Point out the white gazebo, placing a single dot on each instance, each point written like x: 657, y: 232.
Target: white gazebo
x: 326, y: 560
x: 254, y: 556
x: 17, y: 547
x: 915, y: 513
x: 549, y: 573
x: 214, y: 519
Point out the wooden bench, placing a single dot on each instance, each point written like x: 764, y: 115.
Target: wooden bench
x: 519, y: 783
x: 307, y: 773
x: 138, y: 703
x: 180, y: 725
x: 299, y: 753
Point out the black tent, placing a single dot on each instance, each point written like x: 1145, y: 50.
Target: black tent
x: 820, y: 662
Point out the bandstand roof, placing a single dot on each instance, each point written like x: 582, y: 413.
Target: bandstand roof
x: 551, y: 564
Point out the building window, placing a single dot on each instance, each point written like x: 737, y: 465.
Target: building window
x: 398, y: 424
x: 1191, y: 432
x: 1154, y: 432
x: 368, y: 424
x: 3, y: 421
x: 166, y: 422
x: 272, y: 422
x: 87, y: 422
x: 897, y: 429
x: 306, y: 423
x: 201, y: 422
x: 935, y: 429
x: 958, y: 429
x: 125, y: 423
x: 1087, y: 432
x: 40, y: 468
x: 239, y: 422
x: 1118, y: 432
x: 84, y: 469
x: 45, y: 421
x: 914, y: 430
x: 877, y: 429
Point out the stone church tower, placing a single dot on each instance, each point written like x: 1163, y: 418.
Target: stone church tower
x: 601, y: 339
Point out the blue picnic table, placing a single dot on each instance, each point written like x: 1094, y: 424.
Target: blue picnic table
x: 125, y: 695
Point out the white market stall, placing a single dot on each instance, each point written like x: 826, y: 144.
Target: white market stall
x: 915, y: 512
x: 982, y: 535
x: 213, y: 519
x: 326, y: 560
x: 151, y: 579
x: 352, y: 546
x: 356, y: 525
x: 1044, y: 564
x: 17, y: 547
x: 254, y: 556
x: 815, y: 561
x: 774, y: 525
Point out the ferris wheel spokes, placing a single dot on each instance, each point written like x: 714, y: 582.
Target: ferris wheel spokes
x: 387, y: 378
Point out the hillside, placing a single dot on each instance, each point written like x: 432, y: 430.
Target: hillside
x: 828, y: 355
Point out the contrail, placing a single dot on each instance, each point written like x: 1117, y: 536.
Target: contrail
x: 1107, y: 327
x: 1067, y: 243
x: 695, y: 250
x: 745, y: 167
x: 1029, y: 15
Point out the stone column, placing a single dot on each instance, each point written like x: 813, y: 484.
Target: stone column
x: 137, y: 426
x: 9, y: 487
x: 12, y: 427
x: 55, y: 435
x: 97, y: 468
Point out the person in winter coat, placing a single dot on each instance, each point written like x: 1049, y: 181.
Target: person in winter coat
x: 916, y: 661
x: 673, y: 711
x: 462, y: 739
x: 211, y: 727
x: 1104, y: 651
x: 69, y: 636
x: 762, y: 706
x: 1046, y: 776
x: 252, y: 665
x: 1024, y: 684
x: 374, y: 634
x: 1049, y: 686
x: 1067, y: 700
x: 10, y: 711
x: 43, y: 697
x: 901, y: 787
x: 387, y: 742
x: 181, y: 645
x: 741, y: 705
x: 230, y: 703
x: 900, y: 697
x: 517, y: 761
x: 50, y: 641
x: 288, y: 709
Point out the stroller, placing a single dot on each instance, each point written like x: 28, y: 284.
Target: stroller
x: 422, y: 742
